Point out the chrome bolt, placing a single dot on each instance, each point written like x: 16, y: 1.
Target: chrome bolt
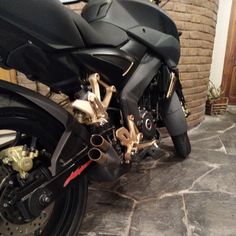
x: 44, y: 199
x: 10, y: 202
x: 156, y: 145
x: 47, y: 199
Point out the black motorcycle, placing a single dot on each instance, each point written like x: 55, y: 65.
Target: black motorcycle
x: 117, y: 65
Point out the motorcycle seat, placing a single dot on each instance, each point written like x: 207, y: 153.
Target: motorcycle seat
x: 50, y: 25
x: 98, y: 33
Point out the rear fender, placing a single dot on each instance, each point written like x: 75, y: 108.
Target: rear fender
x: 74, y: 140
x: 31, y: 98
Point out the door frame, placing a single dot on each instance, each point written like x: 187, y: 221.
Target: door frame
x: 230, y: 58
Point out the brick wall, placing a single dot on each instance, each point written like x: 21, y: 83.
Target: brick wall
x: 196, y: 19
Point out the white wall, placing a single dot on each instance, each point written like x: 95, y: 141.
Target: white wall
x: 220, y: 41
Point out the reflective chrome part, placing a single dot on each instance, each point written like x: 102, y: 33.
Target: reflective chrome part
x: 187, y: 113
x: 19, y: 158
x: 69, y: 1
x: 171, y: 88
x: 129, y: 68
x: 93, y: 109
x: 132, y: 139
x: 148, y: 124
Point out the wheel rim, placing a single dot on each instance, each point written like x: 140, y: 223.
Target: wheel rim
x: 68, y: 209
x: 8, y: 228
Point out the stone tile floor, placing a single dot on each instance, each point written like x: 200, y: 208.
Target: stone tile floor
x: 167, y: 196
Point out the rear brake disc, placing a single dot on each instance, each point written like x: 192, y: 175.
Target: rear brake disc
x: 32, y: 228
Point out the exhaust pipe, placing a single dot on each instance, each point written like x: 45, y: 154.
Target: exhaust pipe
x: 98, y: 156
x: 99, y: 142
x: 103, y: 153
x: 110, y: 167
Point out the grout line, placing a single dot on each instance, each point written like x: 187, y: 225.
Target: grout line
x: 223, y: 146
x: 127, y: 233
x: 185, y: 219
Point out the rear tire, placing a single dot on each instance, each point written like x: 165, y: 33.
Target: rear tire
x: 182, y: 145
x: 67, y: 212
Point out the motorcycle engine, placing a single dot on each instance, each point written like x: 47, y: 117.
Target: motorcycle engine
x: 147, y: 126
x: 148, y: 110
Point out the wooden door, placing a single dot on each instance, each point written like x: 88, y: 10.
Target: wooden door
x: 8, y: 75
x: 229, y: 75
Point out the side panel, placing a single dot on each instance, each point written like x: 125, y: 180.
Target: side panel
x: 33, y: 41
x: 134, y: 49
x: 45, y: 21
x: 113, y: 64
x: 137, y: 84
x: 130, y: 13
x: 142, y: 20
x: 57, y: 70
x: 166, y: 46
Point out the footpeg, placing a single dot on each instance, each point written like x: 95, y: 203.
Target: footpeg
x: 132, y: 139
x: 93, y: 110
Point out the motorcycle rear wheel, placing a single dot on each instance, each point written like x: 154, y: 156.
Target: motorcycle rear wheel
x: 64, y: 215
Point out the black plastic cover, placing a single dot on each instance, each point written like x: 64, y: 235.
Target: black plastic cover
x: 37, y: 99
x: 137, y: 84
x: 166, y: 46
x: 130, y: 13
x: 39, y: 37
x: 45, y: 20
x: 58, y: 71
x: 173, y: 116
x: 50, y: 25
x: 142, y: 20
x: 111, y: 63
